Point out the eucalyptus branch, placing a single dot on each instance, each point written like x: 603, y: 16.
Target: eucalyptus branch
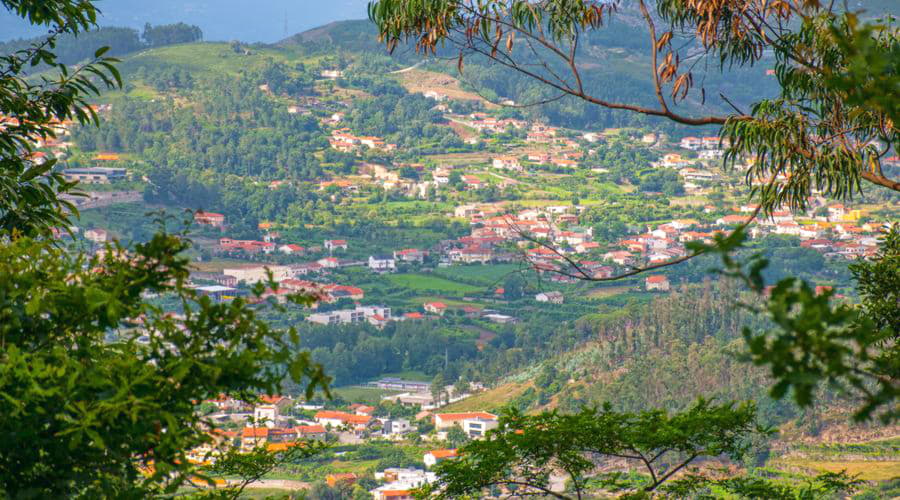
x: 669, y: 474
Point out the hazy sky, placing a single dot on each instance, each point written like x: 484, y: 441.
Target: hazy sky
x: 245, y: 20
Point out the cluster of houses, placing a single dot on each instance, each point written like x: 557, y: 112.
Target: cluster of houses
x: 836, y: 234
x: 704, y: 143
x: 490, y: 125
x: 47, y: 148
x: 342, y: 140
x: 492, y: 230
x: 662, y: 244
x: 271, y: 421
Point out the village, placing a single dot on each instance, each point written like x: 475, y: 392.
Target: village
x: 277, y: 423
x: 520, y: 199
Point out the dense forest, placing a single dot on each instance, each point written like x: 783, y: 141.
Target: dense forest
x: 240, y: 131
x: 683, y: 346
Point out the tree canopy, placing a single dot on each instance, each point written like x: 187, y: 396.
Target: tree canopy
x: 99, y: 383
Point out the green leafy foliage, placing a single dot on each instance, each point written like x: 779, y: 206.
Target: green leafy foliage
x: 98, y: 385
x: 850, y: 348
x: 523, y: 451
x: 34, y: 108
x: 250, y: 467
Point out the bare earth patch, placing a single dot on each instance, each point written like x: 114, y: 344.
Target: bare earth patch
x: 421, y: 81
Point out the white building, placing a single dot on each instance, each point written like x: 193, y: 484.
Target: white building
x: 550, y: 297
x: 657, y: 283
x: 711, y: 154
x: 265, y: 415
x: 400, y: 483
x: 507, y: 163
x: 96, y: 235
x: 692, y: 143
x: 382, y: 263
x: 474, y: 424
x: 396, y: 427
x: 253, y: 274
x: 437, y: 96
x: 434, y: 456
x: 348, y: 316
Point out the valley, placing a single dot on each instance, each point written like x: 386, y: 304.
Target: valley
x: 464, y: 255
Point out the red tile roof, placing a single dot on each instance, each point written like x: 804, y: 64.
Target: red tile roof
x: 310, y: 429
x: 255, y: 432
x: 443, y: 453
x: 347, y: 418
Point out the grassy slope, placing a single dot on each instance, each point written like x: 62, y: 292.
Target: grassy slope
x: 493, y: 399
x: 210, y: 58
x: 418, y: 80
x: 202, y: 60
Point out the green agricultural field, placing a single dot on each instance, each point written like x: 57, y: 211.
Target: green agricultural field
x: 486, y: 274
x: 430, y: 283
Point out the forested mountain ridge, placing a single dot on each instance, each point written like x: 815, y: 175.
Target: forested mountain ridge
x: 614, y: 61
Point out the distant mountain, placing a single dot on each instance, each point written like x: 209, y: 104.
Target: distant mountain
x: 258, y: 21
x: 359, y: 35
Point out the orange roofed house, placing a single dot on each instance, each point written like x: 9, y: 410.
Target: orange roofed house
x: 251, y: 437
x: 332, y: 245
x: 657, y: 283
x: 434, y: 456
x: 340, y: 419
x: 209, y: 219
x: 390, y: 494
x: 435, y: 307
x: 474, y: 424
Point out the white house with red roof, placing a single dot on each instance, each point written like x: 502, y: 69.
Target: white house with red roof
x: 361, y: 409
x: 434, y: 457
x: 472, y: 182
x: 335, y: 419
x: 732, y: 220
x: 329, y: 262
x: 332, y: 245
x: 836, y: 212
x: 474, y: 424
x: 410, y: 255
x: 506, y: 163
x: 209, y: 218
x: 435, y: 308
x: 620, y: 257
x: 291, y: 249
x: 713, y: 142
x: 657, y: 283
